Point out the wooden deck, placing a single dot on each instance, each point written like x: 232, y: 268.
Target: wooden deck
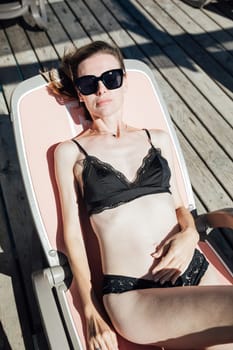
x: 191, y: 54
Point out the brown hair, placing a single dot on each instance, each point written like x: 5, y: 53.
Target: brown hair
x: 64, y: 85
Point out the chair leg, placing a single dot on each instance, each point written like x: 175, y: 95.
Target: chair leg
x: 39, y: 13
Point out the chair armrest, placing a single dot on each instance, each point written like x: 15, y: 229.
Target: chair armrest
x: 215, y: 219
x: 53, y: 326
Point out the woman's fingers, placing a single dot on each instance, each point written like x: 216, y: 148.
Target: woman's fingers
x: 172, y: 257
x: 110, y: 340
x: 170, y: 273
x: 163, y: 275
x: 114, y: 341
x: 102, y: 344
x: 105, y: 341
x: 164, y: 262
x: 168, y: 269
x: 100, y: 335
x: 175, y: 277
x: 161, y: 250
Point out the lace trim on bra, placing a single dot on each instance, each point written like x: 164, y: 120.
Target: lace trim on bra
x: 104, y: 165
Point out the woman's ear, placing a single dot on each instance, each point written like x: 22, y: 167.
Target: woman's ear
x: 79, y: 96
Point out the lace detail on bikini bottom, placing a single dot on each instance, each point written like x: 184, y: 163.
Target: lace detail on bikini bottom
x: 191, y: 277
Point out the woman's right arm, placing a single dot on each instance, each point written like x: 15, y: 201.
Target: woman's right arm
x: 99, y: 334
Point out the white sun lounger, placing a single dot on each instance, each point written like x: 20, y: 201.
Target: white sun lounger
x: 17, y: 8
x: 40, y: 123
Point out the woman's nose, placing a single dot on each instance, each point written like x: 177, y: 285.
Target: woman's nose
x: 101, y: 88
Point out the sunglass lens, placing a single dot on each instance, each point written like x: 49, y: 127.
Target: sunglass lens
x: 87, y: 85
x: 113, y: 79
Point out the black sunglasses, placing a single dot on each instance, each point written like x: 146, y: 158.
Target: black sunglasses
x: 88, y: 84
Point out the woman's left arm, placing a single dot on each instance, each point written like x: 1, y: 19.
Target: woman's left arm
x: 174, y: 254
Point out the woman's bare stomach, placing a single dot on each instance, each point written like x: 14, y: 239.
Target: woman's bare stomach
x: 129, y: 234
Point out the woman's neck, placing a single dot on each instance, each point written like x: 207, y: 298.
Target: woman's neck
x: 115, y: 128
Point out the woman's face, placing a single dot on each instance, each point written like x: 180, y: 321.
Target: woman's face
x: 104, y: 102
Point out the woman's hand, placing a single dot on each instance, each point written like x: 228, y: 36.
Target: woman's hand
x: 174, y: 255
x: 99, y: 334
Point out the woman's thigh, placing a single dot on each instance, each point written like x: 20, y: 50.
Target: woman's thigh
x: 175, y: 318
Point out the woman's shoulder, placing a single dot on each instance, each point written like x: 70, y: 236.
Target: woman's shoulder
x: 71, y: 144
x: 64, y: 146
x: 66, y: 151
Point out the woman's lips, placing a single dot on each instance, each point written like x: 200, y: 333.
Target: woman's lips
x: 101, y: 103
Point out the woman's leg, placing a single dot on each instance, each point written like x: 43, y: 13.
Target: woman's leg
x: 199, y: 317
x: 175, y: 318
x: 214, y: 277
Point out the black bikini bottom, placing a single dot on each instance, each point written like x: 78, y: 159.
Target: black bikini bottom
x: 191, y: 277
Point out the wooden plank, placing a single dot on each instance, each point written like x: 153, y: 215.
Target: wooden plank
x: 15, y: 330
x: 114, y: 29
x: 3, y: 107
x: 71, y: 25
x: 200, y: 36
x: 23, y: 52
x: 10, y: 75
x: 199, y: 205
x: 201, y: 46
x: 42, y: 46
x: 88, y: 21
x: 221, y: 14
x: 27, y: 247
x: 185, y: 41
x: 202, y: 80
x: 206, y: 147
x: 56, y: 32
x: 207, y: 189
x: 207, y: 24
x: 10, y: 330
x: 206, y: 186
x: 208, y: 93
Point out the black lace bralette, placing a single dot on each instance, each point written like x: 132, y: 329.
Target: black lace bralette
x: 104, y: 187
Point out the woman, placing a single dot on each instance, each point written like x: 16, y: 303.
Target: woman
x: 147, y: 238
